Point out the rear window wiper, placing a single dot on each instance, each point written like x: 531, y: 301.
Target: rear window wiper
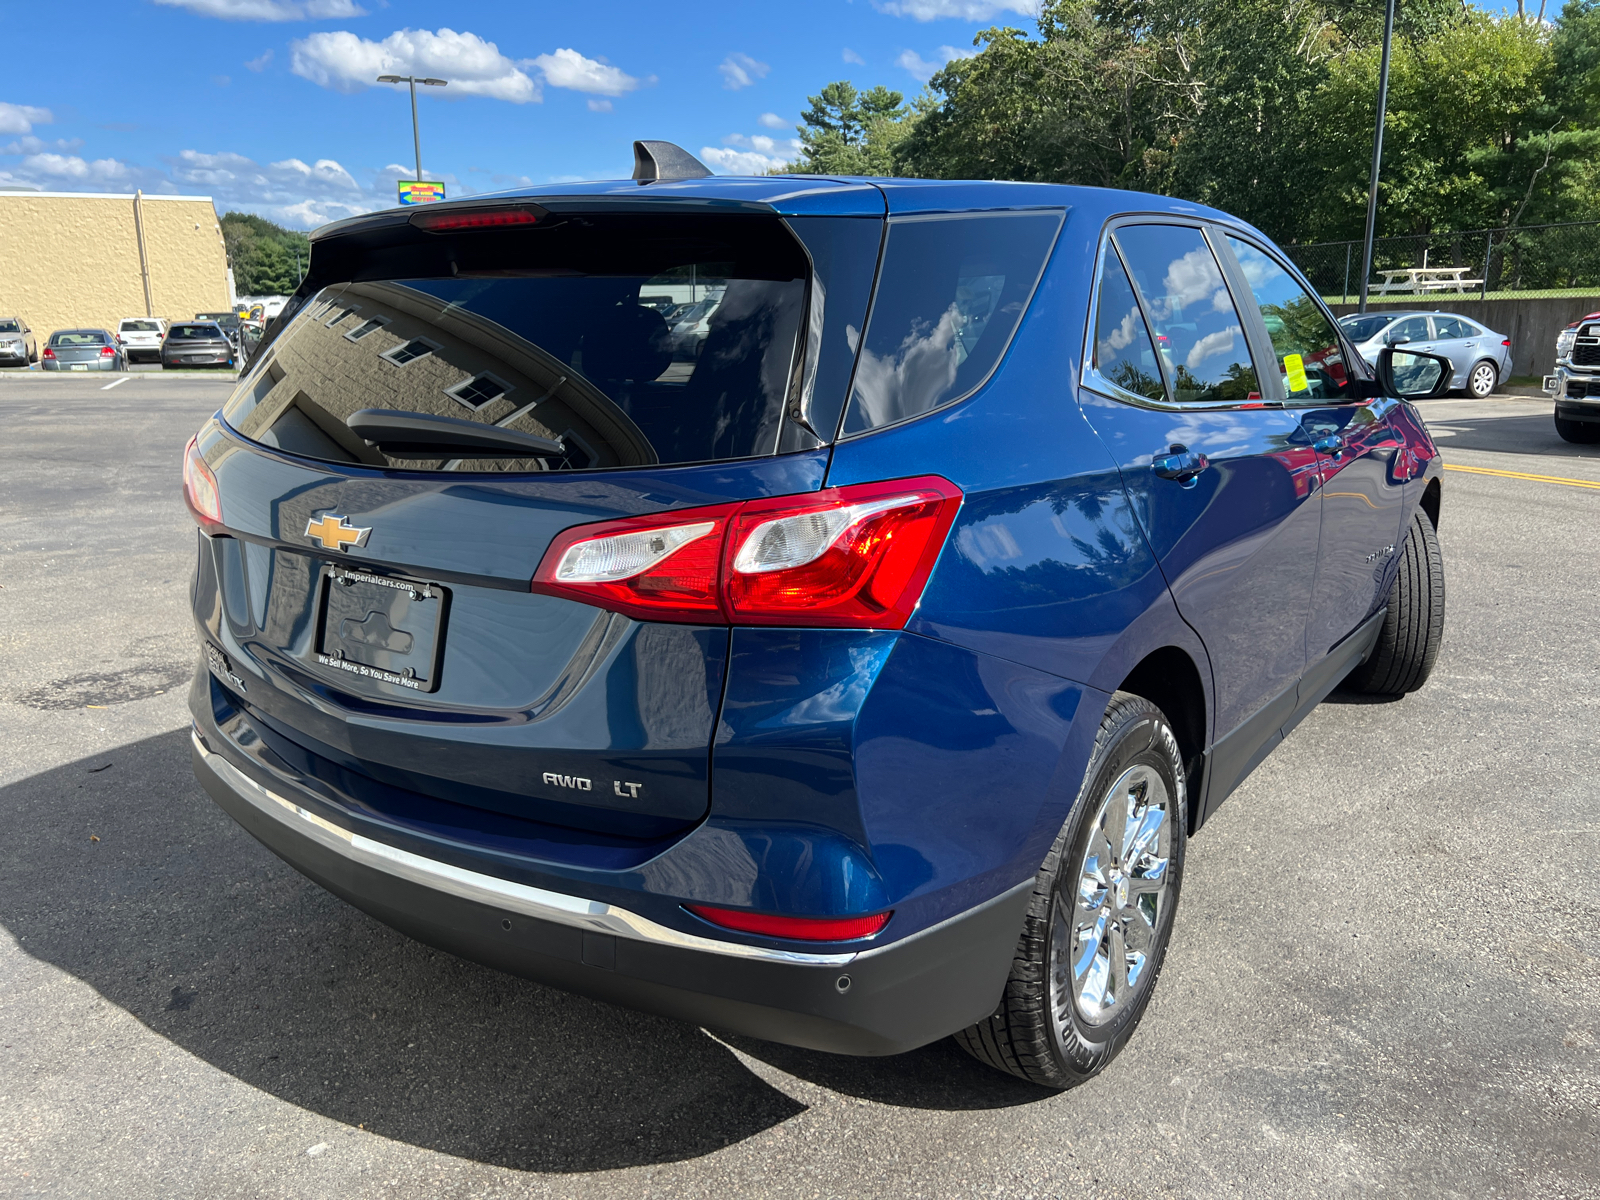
x: 425, y: 435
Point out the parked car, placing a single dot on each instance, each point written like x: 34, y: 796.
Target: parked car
x: 18, y: 346
x: 228, y: 321
x: 1482, y: 358
x: 141, y: 337
x: 1575, y: 386
x: 82, y: 350
x: 196, y: 344
x: 858, y: 686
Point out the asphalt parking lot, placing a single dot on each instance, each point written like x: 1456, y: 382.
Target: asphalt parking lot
x: 1383, y: 981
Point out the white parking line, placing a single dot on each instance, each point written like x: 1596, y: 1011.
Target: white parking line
x: 116, y: 383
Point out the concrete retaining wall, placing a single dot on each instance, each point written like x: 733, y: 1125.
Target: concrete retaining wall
x: 1531, y: 325
x: 71, y: 260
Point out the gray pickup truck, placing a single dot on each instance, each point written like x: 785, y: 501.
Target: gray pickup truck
x: 1576, y: 383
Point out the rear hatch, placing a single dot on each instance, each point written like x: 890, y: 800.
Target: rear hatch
x: 437, y: 408
x: 196, y: 343
x: 139, y: 334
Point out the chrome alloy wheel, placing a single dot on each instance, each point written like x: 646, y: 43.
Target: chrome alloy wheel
x: 1103, y: 934
x: 1483, y: 379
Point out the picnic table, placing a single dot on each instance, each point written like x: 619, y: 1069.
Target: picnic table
x: 1426, y: 279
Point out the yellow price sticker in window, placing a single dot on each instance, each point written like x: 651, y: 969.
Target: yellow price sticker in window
x: 1294, y: 372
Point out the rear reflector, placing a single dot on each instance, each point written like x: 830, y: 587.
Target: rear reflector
x: 803, y: 929
x: 435, y: 221
x: 200, y: 490
x: 850, y: 557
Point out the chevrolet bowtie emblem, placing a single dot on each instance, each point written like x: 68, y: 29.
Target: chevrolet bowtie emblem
x: 336, y: 532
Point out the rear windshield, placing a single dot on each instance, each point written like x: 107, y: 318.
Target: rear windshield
x: 1360, y: 329
x: 78, y: 337
x: 226, y: 320
x: 622, y: 344
x: 189, y: 332
x: 10, y: 327
x: 141, y: 327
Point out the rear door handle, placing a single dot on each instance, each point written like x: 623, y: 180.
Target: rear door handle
x: 1180, y: 463
x: 1332, y: 445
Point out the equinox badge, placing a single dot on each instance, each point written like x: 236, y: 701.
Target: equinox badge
x: 336, y: 532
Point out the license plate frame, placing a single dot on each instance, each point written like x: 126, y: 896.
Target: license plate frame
x: 77, y: 366
x: 382, y: 628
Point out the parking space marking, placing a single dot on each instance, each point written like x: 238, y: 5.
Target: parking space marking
x: 116, y: 383
x: 1578, y: 483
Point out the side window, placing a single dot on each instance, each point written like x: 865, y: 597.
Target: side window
x: 1123, y: 353
x: 1452, y: 328
x: 1304, y: 340
x: 1412, y: 329
x: 951, y: 293
x: 1197, y: 329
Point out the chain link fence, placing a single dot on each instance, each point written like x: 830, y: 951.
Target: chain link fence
x: 1521, y: 263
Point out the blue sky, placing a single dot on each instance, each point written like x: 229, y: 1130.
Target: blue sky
x: 269, y: 105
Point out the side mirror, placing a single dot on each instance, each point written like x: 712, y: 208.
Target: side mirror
x: 1413, y: 374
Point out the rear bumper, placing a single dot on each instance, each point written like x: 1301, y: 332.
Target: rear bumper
x: 105, y: 364
x: 882, y: 1001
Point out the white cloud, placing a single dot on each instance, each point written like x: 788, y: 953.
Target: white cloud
x: 599, y: 106
x: 1212, y: 344
x: 475, y: 67
x: 966, y: 10
x: 21, y: 118
x: 260, y: 64
x: 33, y: 145
x: 741, y: 71
x: 270, y: 10
x: 762, y: 143
x: 740, y: 162
x: 569, y: 69
x: 850, y: 56
x: 922, y: 70
x: 772, y: 121
x: 70, y: 166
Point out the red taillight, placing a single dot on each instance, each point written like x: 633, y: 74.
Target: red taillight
x: 105, y: 350
x: 1506, y: 342
x: 657, y: 568
x: 48, y: 353
x: 803, y: 929
x: 200, y: 490
x: 477, y: 218
x: 854, y: 556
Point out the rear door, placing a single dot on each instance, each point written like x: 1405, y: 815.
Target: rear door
x: 1358, y: 445
x: 375, y: 598
x: 1224, y: 485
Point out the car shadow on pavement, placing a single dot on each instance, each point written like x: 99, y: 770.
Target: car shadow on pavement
x: 119, y: 870
x: 1531, y: 434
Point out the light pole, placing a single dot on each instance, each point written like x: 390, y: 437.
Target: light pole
x: 413, y: 80
x: 1377, y: 155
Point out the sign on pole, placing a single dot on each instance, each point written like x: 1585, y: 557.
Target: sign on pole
x: 420, y: 191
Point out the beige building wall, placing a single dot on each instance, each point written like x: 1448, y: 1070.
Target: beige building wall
x: 70, y: 260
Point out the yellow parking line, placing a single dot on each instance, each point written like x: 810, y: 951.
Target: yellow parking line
x: 1579, y: 483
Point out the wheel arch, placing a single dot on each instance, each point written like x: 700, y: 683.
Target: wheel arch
x: 1431, y: 496
x: 1170, y: 679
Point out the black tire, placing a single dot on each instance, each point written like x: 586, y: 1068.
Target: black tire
x: 1040, y: 1031
x: 1582, y: 433
x: 1482, y: 378
x: 1408, y: 644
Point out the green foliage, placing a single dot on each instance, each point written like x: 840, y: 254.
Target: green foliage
x: 1260, y: 107
x: 267, y: 259
x: 847, y: 132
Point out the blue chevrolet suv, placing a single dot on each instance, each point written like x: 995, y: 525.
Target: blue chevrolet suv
x: 816, y: 608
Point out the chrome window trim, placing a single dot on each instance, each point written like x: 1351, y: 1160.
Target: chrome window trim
x: 538, y: 903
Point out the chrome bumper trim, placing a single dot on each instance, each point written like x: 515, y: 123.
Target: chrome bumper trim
x: 556, y: 907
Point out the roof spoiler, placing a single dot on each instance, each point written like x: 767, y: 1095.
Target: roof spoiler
x: 663, y: 160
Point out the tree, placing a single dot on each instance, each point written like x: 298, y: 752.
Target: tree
x: 267, y: 259
x: 846, y: 132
